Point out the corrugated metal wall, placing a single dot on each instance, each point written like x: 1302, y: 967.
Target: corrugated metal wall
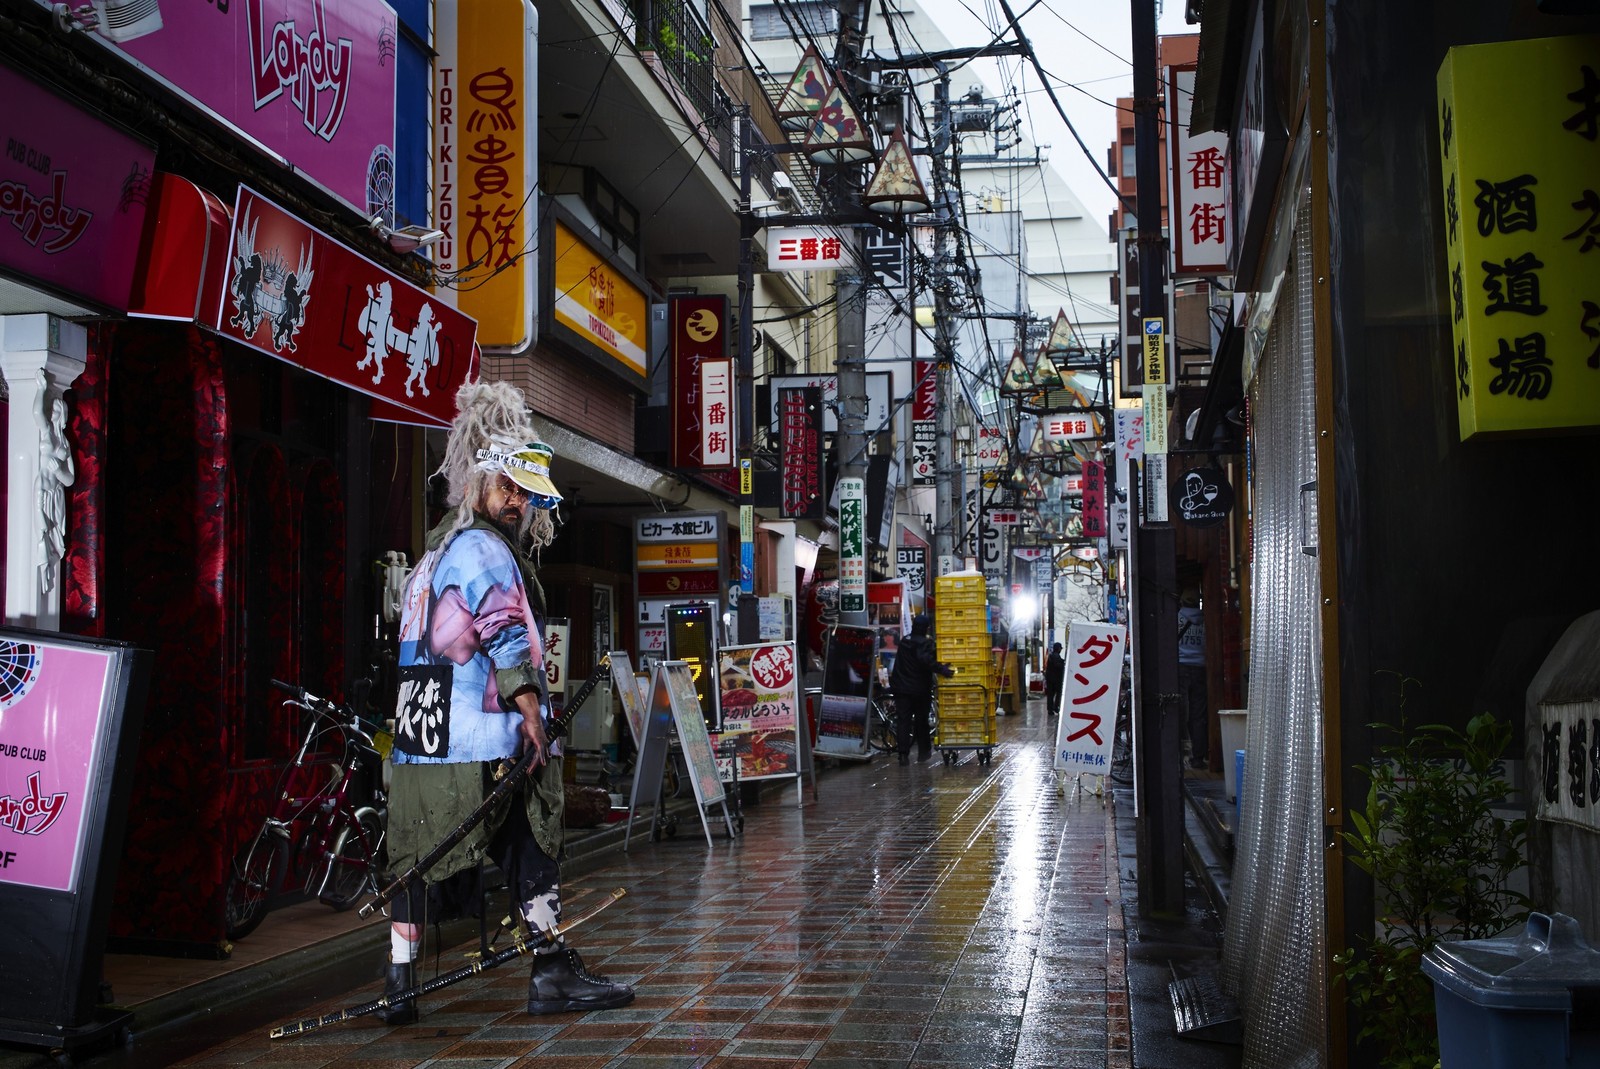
x: 1275, y: 953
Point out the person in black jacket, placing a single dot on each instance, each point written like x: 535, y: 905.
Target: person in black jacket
x: 1055, y: 674
x: 912, y: 683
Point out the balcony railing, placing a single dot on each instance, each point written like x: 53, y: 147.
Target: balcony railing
x: 686, y: 48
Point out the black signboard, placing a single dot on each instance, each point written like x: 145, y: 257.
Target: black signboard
x: 1202, y: 497
x: 800, y: 459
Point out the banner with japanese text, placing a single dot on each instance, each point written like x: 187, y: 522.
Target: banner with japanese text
x: 1094, y: 499
x: 1087, y: 724
x: 852, y: 545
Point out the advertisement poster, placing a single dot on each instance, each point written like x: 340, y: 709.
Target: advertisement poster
x: 888, y: 610
x: 1089, y: 694
x: 631, y: 692
x: 760, y: 709
x: 52, y: 701
x: 847, y: 678
x: 692, y: 734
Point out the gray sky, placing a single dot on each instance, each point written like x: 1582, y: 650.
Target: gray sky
x: 1082, y: 44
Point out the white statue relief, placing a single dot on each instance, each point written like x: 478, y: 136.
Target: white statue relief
x: 56, y: 473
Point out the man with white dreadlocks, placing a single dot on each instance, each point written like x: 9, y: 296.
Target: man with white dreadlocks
x: 473, y: 694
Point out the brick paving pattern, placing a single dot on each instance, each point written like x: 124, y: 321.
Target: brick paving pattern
x: 933, y: 915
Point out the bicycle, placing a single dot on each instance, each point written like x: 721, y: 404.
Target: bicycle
x: 882, y: 730
x: 334, y: 847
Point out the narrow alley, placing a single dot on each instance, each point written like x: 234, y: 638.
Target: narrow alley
x: 932, y: 914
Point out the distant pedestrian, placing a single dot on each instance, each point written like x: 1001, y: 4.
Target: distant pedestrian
x: 1192, y: 675
x: 912, y: 684
x: 1055, y: 673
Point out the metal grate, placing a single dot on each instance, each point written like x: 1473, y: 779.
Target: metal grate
x: 1275, y: 952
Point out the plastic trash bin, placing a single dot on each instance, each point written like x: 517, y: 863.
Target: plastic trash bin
x: 1522, y: 1001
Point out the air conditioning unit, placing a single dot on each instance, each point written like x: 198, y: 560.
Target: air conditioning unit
x: 783, y: 189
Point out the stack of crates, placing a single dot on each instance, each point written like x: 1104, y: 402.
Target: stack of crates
x: 962, y: 640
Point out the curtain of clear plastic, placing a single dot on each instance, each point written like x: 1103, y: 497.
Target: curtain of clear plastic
x: 1275, y: 949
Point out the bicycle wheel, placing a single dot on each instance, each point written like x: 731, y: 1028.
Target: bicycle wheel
x: 350, y: 871
x: 253, y: 881
x: 882, y: 734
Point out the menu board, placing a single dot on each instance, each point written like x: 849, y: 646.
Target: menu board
x: 692, y: 735
x: 760, y: 709
x: 631, y: 692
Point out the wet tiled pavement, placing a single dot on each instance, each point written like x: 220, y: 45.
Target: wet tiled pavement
x: 931, y: 915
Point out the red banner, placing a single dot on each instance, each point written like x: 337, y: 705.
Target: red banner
x: 699, y: 331
x: 671, y: 584
x: 924, y: 402
x: 1094, y: 499
x: 800, y: 458
x: 294, y: 293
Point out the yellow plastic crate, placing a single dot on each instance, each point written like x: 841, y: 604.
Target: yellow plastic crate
x: 976, y: 731
x: 945, y: 583
x: 963, y: 598
x: 963, y: 703
x: 953, y: 647
x: 960, y: 620
x: 979, y: 674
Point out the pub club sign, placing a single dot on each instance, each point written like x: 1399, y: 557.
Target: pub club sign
x: 1202, y: 497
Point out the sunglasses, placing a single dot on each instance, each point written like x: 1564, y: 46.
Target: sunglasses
x: 507, y: 486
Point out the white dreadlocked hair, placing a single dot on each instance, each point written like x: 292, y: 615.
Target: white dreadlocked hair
x: 488, y: 415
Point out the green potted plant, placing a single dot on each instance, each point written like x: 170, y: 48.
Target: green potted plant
x: 1441, y: 860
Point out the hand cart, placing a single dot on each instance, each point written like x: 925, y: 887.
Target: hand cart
x: 966, y: 722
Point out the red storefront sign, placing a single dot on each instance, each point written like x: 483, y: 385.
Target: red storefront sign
x: 924, y: 402
x: 672, y: 584
x: 800, y: 459
x: 699, y: 332
x: 294, y: 293
x: 1094, y: 499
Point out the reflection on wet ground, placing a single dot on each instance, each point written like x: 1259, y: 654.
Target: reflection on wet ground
x: 929, y: 915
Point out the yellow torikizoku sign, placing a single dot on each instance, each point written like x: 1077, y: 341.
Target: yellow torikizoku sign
x: 1519, y: 140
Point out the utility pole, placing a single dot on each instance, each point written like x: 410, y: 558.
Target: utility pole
x: 944, y: 347
x: 1154, y: 550
x: 850, y: 318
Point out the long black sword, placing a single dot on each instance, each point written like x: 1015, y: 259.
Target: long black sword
x: 508, y: 783
x: 518, y: 948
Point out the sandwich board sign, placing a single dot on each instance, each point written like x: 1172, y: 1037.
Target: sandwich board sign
x: 674, y: 705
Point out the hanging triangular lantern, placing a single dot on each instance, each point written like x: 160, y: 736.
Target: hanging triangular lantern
x: 837, y: 134
x: 897, y: 188
x: 806, y: 92
x: 1038, y: 446
x: 1035, y: 487
x: 1044, y: 371
x: 1060, y: 341
x: 1017, y: 377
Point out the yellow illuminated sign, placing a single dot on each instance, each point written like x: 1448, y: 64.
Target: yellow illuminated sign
x: 595, y: 300
x: 671, y: 556
x: 1519, y: 141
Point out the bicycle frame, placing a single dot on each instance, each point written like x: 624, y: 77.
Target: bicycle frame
x: 312, y: 822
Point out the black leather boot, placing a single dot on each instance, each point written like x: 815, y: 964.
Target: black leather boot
x: 398, y: 978
x: 558, y: 983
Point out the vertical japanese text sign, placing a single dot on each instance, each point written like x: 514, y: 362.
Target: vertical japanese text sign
x: 1198, y: 169
x: 485, y: 159
x: 716, y: 414
x: 852, y: 545
x: 1094, y: 499
x: 1089, y: 697
x: 1519, y: 144
x: 800, y: 459
x: 699, y: 333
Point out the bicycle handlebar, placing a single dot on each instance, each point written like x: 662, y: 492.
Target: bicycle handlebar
x: 300, y: 694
